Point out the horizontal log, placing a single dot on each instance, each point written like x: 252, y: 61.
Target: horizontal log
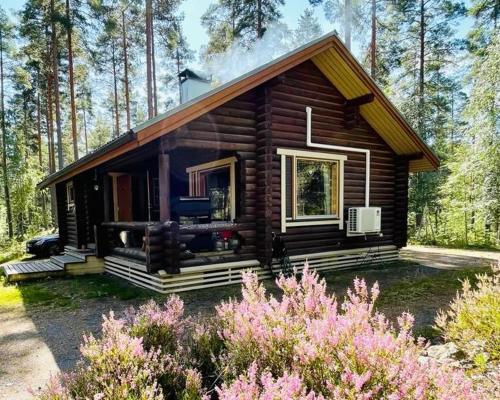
x: 134, y: 225
x: 214, y: 227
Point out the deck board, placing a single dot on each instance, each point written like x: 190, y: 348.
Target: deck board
x: 27, y: 270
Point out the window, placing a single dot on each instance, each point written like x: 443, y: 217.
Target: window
x: 317, y: 190
x: 70, y: 195
x: 216, y: 180
x: 312, y: 188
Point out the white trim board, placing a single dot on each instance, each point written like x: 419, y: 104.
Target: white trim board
x: 366, y: 152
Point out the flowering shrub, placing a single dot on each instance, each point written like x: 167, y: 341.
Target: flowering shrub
x: 473, y: 320
x: 162, y: 328
x: 304, y: 347
x: 139, y: 357
x: 117, y: 367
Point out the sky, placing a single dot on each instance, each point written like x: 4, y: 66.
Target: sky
x: 197, y: 36
x: 194, y: 9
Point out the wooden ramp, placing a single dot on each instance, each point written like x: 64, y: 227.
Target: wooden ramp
x: 31, y: 270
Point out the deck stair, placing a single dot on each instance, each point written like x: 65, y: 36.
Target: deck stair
x: 31, y: 270
x: 72, y: 262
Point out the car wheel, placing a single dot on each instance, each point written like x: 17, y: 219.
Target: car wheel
x: 53, y: 250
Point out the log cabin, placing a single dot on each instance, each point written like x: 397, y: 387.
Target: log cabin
x: 303, y: 158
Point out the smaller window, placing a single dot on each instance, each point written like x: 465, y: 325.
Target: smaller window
x: 70, y: 195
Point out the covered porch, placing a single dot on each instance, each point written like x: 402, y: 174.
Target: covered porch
x: 173, y: 206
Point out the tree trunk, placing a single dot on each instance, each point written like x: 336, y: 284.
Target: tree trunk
x: 373, y: 44
x: 39, y: 142
x: 74, y: 132
x: 85, y: 131
x: 421, y: 72
x: 115, y: 86
x: 148, y: 59
x: 178, y: 62
x: 4, y: 144
x: 125, y: 69
x: 153, y: 64
x: 50, y: 131
x: 260, y: 30
x: 348, y: 23
x: 55, y: 71
x: 38, y: 120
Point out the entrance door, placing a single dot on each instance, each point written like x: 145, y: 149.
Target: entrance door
x: 124, y: 197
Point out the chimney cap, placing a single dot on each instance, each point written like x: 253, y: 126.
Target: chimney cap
x: 189, y: 73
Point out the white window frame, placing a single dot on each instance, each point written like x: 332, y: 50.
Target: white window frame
x: 311, y: 220
x: 194, y: 178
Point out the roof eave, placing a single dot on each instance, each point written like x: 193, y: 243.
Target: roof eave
x: 114, y: 144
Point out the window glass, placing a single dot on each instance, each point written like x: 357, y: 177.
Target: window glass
x: 215, y: 184
x: 316, y: 187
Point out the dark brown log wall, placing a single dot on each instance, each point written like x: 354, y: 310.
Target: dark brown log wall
x: 228, y: 130
x: 305, y: 86
x: 253, y: 126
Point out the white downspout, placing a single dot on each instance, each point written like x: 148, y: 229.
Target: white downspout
x: 342, y: 148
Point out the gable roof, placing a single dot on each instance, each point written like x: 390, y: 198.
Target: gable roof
x: 330, y: 56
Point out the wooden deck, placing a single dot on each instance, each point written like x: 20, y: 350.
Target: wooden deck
x: 31, y: 270
x: 71, y: 262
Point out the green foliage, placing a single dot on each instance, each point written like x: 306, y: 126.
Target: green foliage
x: 242, y: 20
x: 10, y: 251
x: 473, y: 320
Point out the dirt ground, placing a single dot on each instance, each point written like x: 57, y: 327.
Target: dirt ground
x: 37, y: 342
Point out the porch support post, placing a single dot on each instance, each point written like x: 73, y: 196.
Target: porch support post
x: 106, y: 197
x: 164, y: 183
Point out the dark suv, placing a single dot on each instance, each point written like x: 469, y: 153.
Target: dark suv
x: 43, y: 246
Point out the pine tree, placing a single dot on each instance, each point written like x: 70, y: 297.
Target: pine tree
x: 426, y: 48
x: 107, y: 54
x: 149, y: 57
x: 308, y: 28
x: 69, y: 34
x: 6, y: 35
x: 350, y: 13
x: 245, y: 20
x: 175, y: 49
x: 54, y: 17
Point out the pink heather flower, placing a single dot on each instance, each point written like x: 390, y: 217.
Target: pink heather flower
x: 303, y: 346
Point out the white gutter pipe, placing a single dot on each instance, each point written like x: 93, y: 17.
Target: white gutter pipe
x: 342, y: 148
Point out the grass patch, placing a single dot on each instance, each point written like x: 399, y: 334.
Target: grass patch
x: 408, y: 290
x: 67, y: 292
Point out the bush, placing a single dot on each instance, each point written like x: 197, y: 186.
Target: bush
x: 473, y: 320
x: 302, y: 346
x: 117, y: 366
x: 138, y: 357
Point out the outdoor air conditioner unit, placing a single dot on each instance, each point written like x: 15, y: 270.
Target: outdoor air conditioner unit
x: 364, y: 220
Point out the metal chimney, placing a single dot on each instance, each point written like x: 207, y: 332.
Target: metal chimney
x: 193, y: 84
